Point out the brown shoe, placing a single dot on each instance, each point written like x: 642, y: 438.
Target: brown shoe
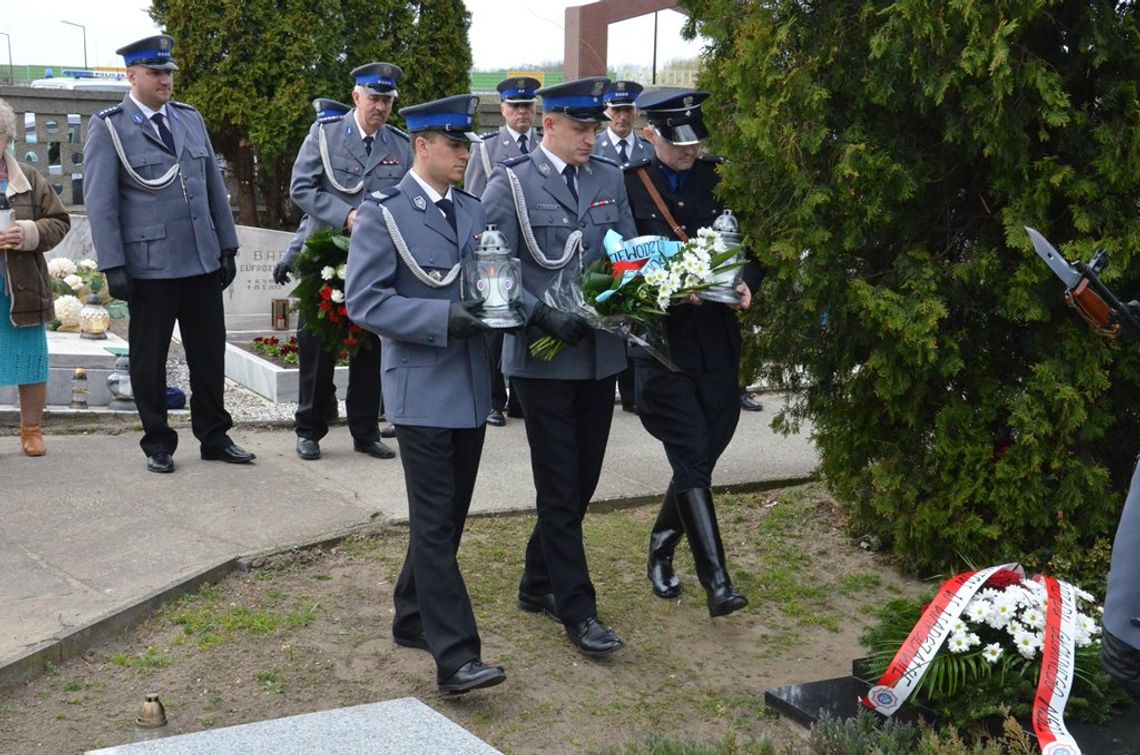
x: 32, y: 438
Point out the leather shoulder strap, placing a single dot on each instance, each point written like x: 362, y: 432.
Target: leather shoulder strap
x: 663, y: 208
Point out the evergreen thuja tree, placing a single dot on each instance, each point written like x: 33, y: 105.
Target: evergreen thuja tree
x: 440, y: 50
x: 884, y: 157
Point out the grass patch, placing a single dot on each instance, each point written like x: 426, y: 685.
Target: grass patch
x: 211, y: 621
x: 146, y: 663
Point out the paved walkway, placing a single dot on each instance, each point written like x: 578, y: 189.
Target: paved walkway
x: 88, y: 533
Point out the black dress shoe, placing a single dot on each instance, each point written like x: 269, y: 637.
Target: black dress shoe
x: 543, y: 603
x: 375, y: 449
x: 472, y: 675
x: 161, y: 463
x: 388, y: 431
x: 415, y: 641
x: 496, y: 418
x: 592, y: 637
x: 514, y: 412
x: 631, y: 408
x: 308, y: 449
x: 749, y: 404
x: 231, y: 454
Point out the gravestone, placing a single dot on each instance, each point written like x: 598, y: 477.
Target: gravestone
x: 396, y: 727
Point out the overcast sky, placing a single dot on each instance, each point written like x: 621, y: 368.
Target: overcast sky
x: 535, y: 34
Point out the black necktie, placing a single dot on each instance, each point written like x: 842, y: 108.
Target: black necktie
x: 368, y: 145
x: 164, y: 132
x: 448, y: 210
x: 522, y: 143
x: 621, y: 151
x: 570, y: 172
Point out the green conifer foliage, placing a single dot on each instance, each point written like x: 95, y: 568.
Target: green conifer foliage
x: 884, y: 157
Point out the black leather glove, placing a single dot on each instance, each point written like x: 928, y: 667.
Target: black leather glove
x: 565, y: 326
x: 118, y: 283
x: 461, y: 323
x: 228, y: 270
x: 281, y: 273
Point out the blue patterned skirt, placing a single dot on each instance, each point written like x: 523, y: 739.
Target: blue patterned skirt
x: 23, y: 351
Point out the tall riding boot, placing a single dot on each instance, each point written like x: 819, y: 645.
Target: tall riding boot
x: 696, y: 509
x: 663, y: 541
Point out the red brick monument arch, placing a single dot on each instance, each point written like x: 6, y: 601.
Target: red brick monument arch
x: 587, y: 31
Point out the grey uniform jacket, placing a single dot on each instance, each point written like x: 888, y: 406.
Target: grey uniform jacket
x: 642, y: 148
x: 314, y: 192
x: 602, y: 205
x: 497, y: 146
x: 429, y: 379
x: 1122, y: 599
x: 175, y: 232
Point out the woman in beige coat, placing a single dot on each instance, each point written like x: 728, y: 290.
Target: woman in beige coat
x: 32, y: 221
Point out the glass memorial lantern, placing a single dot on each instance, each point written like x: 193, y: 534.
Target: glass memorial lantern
x: 493, y: 279
x: 724, y: 289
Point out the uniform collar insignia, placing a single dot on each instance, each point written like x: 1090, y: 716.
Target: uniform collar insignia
x: 589, y: 169
x: 544, y: 169
x: 420, y: 202
x: 137, y: 118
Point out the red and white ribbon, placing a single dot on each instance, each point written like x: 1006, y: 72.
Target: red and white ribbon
x: 926, y: 638
x: 1058, y: 664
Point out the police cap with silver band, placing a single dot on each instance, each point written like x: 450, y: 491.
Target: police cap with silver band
x: 622, y: 93
x: 328, y: 109
x: 152, y: 52
x: 518, y: 89
x: 675, y: 114
x: 580, y: 100
x: 454, y: 117
x: 380, y: 78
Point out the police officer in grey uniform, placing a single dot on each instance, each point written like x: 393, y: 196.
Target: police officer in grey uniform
x: 165, y: 238
x: 620, y: 143
x: 1120, y: 650
x: 571, y: 198
x: 339, y: 164
x: 404, y: 283
x: 516, y: 137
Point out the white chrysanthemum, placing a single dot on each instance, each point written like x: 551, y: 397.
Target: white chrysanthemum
x: 60, y: 267
x: 1003, y: 612
x: 1083, y: 638
x: 328, y: 272
x: 74, y: 282
x: 656, y: 277
x: 720, y: 247
x: 977, y: 610
x: 1026, y: 644
x: 705, y: 233
x: 342, y: 272
x: 1084, y: 595
x: 1020, y: 596
x: 992, y: 652
x: 88, y: 265
x: 957, y: 626
x: 337, y: 296
x: 67, y: 310
x: 1013, y: 627
x: 989, y: 594
x: 663, y: 300
x: 1087, y: 625
x: 1033, y: 618
x: 958, y: 643
x: 973, y: 639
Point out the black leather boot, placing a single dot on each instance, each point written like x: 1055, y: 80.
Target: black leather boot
x: 695, y: 507
x: 667, y: 531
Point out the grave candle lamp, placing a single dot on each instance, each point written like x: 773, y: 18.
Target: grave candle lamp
x: 493, y: 279
x: 724, y: 290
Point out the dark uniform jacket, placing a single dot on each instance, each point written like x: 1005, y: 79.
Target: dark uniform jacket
x: 705, y: 336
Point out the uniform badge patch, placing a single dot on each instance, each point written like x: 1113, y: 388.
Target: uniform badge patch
x: 588, y: 169
x: 544, y: 169
x: 420, y: 203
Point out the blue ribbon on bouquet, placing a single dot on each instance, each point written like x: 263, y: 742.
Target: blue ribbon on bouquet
x: 653, y: 250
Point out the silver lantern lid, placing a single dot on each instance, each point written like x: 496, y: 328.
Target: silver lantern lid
x: 728, y: 227
x: 492, y: 241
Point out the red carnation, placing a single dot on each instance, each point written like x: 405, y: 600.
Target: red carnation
x: 325, y: 307
x: 1000, y: 580
x: 326, y: 293
x: 342, y: 310
x: 355, y: 329
x: 350, y: 341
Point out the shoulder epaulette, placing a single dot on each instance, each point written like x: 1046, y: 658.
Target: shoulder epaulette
x: 604, y: 159
x: 642, y: 139
x: 715, y: 159
x: 636, y: 164
x: 110, y: 111
x: 489, y: 135
x: 398, y: 132
x: 465, y: 193
x: 380, y: 196
x: 330, y: 118
x: 183, y: 105
x: 513, y: 161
